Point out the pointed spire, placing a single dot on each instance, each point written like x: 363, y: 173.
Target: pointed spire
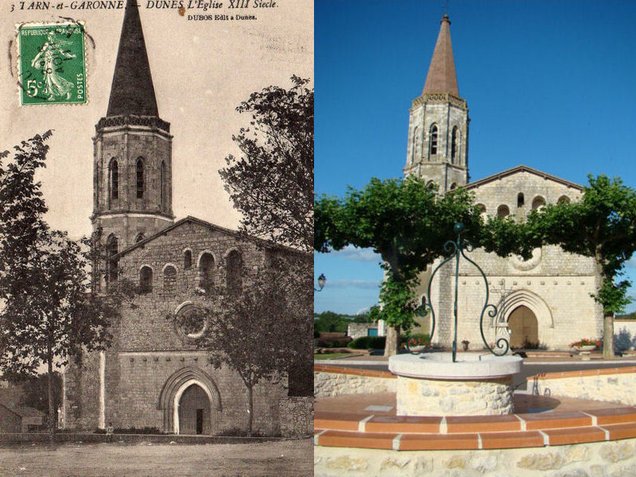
x: 441, y: 76
x: 132, y: 91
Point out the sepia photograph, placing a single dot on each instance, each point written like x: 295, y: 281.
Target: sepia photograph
x: 156, y: 230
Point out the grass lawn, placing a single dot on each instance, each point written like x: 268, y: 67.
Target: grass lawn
x: 276, y: 458
x: 331, y: 355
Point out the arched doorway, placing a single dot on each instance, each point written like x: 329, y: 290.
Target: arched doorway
x: 185, y: 389
x: 524, y: 327
x: 194, y: 411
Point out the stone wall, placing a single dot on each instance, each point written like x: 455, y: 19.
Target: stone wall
x: 330, y: 384
x: 149, y: 348
x: 555, y: 285
x: 603, y: 459
x: 297, y: 413
x: 358, y: 330
x: 614, y: 385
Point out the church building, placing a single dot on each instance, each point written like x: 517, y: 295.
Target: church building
x: 544, y: 301
x: 153, y: 375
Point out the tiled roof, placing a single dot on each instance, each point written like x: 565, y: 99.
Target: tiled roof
x: 442, y: 77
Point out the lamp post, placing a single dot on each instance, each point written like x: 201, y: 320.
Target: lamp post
x: 322, y: 280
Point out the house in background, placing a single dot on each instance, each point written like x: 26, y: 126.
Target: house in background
x: 16, y: 419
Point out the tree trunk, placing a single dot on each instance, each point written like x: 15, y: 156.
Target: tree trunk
x: 250, y: 410
x: 392, y: 340
x: 608, y: 335
x: 51, y: 419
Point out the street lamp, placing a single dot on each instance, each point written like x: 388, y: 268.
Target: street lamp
x: 321, y: 282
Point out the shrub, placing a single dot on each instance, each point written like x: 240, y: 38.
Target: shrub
x: 368, y: 342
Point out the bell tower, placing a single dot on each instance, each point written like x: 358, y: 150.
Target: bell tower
x: 132, y: 167
x: 437, y: 147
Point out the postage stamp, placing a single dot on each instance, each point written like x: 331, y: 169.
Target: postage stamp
x: 52, y: 63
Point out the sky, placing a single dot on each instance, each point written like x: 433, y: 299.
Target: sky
x: 201, y: 71
x: 549, y: 84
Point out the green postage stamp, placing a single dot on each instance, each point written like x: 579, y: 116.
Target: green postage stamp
x: 51, y: 63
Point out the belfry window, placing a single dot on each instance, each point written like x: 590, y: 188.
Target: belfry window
x: 169, y: 278
x: 417, y: 141
x: 164, y: 191
x: 140, y: 178
x: 234, y: 266
x: 433, y: 140
x: 206, y: 271
x: 538, y: 203
x: 520, y: 200
x: 113, y: 180
x: 145, y: 279
x: 187, y: 259
x: 112, y: 247
x: 454, y: 140
x: 503, y: 211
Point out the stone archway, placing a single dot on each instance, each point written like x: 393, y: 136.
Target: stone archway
x: 193, y: 410
x: 524, y: 327
x: 198, y: 414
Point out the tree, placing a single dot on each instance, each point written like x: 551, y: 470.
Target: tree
x: 329, y: 321
x: 272, y: 182
x: 35, y: 392
x: 51, y: 311
x: 602, y: 225
x: 262, y: 332
x: 407, y: 222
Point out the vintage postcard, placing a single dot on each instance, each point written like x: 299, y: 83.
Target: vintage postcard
x: 167, y: 132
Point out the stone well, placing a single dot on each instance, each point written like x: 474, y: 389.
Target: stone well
x: 431, y: 384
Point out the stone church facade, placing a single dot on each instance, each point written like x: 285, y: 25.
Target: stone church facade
x: 545, y: 300
x: 154, y: 375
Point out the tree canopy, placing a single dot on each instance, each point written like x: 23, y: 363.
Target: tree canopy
x: 51, y: 312
x: 262, y: 333
x: 272, y: 182
x: 405, y: 221
x: 601, y: 225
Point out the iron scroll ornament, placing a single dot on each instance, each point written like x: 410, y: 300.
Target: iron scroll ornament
x: 455, y: 249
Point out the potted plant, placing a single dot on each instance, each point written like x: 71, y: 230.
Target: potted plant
x: 585, y: 344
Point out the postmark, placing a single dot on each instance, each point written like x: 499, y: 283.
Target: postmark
x: 52, y: 63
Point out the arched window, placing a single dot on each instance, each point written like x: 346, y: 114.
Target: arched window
x: 564, y: 199
x: 454, y: 144
x: 164, y: 190
x: 112, y: 247
x: 139, y: 237
x: 453, y: 186
x: 206, y: 271
x: 234, y: 268
x: 187, y: 259
x: 482, y: 210
x: 538, y: 202
x: 503, y: 211
x: 113, y: 181
x: 433, y: 140
x: 169, y: 278
x: 415, y: 147
x: 520, y: 199
x: 145, y: 279
x: 140, y: 178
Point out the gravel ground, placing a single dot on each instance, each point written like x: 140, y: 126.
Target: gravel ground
x: 278, y: 458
